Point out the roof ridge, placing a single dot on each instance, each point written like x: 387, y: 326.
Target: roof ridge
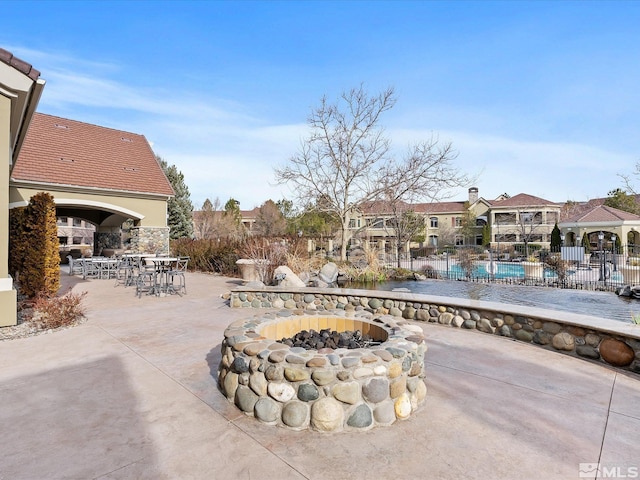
x: 87, y: 123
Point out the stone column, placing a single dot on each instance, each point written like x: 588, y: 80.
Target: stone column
x: 150, y: 240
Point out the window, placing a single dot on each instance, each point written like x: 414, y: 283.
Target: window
x: 457, y: 222
x: 62, y: 221
x: 434, y: 222
x: 77, y: 222
x: 459, y: 240
x: 433, y: 240
x: 376, y: 223
x: 77, y: 240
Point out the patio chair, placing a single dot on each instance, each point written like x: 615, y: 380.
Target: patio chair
x: 90, y: 269
x: 75, y: 265
x: 178, y: 273
x: 146, y: 279
x: 127, y: 271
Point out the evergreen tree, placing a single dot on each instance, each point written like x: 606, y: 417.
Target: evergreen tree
x: 179, y: 208
x: 619, y: 199
x: 556, y: 241
x: 585, y: 243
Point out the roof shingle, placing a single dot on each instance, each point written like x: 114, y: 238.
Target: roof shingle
x: 67, y: 152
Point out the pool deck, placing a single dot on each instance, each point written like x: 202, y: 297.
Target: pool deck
x: 131, y: 393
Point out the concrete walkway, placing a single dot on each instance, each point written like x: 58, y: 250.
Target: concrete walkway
x: 131, y: 394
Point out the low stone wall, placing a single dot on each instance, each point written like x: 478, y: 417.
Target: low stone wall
x: 328, y: 390
x: 592, y: 338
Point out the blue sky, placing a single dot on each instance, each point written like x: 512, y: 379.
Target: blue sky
x: 536, y: 97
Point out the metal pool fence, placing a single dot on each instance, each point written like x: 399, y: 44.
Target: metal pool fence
x: 599, y: 270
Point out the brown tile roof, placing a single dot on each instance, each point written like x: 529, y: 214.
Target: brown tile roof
x: 67, y: 152
x: 602, y: 213
x: 522, y: 200
x: 20, y: 65
x: 439, y: 207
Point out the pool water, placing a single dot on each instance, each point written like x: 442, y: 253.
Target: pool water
x: 586, y: 302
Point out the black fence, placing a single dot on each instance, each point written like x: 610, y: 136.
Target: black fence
x: 567, y: 267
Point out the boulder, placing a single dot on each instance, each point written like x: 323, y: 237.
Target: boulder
x: 288, y: 278
x: 329, y: 273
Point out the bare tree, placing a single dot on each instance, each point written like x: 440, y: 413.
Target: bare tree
x: 528, y: 227
x: 346, y: 160
x: 206, y: 219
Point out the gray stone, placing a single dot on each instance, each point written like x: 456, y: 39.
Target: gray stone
x: 541, y: 338
x: 375, y: 303
x: 361, y: 417
x: 376, y: 390
x: 385, y: 413
x: 294, y: 414
x: 240, y: 365
x: 470, y: 324
x: 329, y: 273
x: 307, y: 392
x: 245, y: 398
x: 551, y: 327
x: 349, y: 362
x: 323, y: 377
x: 289, y: 279
x: 230, y: 384
x: 274, y: 373
x: 266, y: 410
x: 588, y: 351
x: 395, y: 311
x: 524, y: 336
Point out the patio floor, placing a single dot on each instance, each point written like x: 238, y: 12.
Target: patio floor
x: 131, y: 393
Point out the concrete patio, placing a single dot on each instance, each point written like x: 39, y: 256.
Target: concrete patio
x: 131, y: 393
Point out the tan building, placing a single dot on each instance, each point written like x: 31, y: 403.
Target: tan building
x: 100, y: 175
x: 96, y: 174
x: 20, y: 91
x: 512, y: 220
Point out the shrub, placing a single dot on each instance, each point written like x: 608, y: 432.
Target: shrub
x: 55, y: 312
x: 35, y: 261
x: 205, y: 255
x: 429, y: 271
x: 267, y: 253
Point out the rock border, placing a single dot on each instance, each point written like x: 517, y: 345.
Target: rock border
x: 327, y: 390
x: 606, y: 341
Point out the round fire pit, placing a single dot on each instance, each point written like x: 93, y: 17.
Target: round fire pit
x: 329, y: 389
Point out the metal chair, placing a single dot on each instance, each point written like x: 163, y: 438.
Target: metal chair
x: 146, y: 279
x: 178, y: 272
x: 75, y: 265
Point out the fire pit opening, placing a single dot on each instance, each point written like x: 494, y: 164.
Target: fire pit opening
x: 317, y: 333
x: 325, y: 388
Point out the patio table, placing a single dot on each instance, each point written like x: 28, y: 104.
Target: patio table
x: 162, y: 266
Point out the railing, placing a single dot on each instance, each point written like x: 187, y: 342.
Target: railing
x: 599, y: 270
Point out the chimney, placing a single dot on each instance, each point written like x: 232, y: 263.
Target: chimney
x: 473, y: 195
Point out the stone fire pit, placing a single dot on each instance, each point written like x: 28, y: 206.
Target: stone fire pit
x: 328, y: 389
